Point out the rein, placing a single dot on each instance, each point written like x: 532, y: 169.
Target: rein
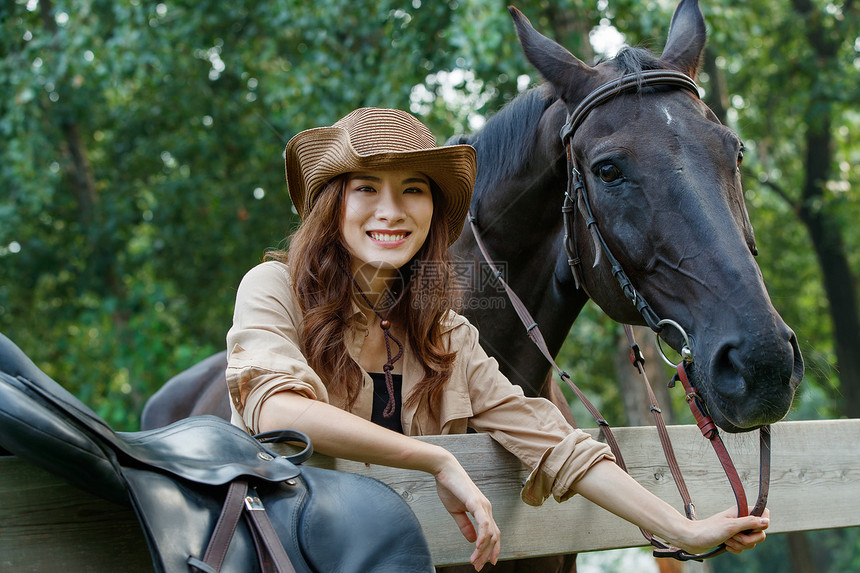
x: 576, y: 198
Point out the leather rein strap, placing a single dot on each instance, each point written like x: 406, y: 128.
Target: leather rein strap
x: 709, y: 430
x: 576, y: 199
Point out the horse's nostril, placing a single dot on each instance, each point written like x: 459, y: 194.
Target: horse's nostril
x: 730, y: 369
x: 797, y: 367
x: 753, y: 381
x: 736, y: 360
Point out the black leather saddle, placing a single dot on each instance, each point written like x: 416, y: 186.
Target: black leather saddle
x: 209, y: 496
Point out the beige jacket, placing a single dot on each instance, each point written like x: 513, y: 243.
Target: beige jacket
x: 265, y: 357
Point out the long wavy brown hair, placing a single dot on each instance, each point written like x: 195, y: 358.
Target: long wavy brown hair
x: 318, y: 260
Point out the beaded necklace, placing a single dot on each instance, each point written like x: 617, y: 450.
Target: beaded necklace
x: 385, y: 325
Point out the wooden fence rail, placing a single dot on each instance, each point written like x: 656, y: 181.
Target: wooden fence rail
x: 47, y: 525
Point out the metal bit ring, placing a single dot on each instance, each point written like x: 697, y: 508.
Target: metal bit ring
x: 686, y: 353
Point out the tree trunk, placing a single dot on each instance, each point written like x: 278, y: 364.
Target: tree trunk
x: 801, y: 554
x: 81, y: 173
x: 80, y: 170
x: 571, y: 27
x: 79, y: 176
x: 717, y: 96
x: 824, y: 229
x: 669, y: 566
x: 839, y: 282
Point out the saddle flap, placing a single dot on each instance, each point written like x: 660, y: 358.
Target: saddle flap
x: 207, y: 450
x: 33, y: 429
x: 178, y: 518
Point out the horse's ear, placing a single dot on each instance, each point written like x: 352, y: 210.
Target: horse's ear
x: 568, y: 74
x: 687, y: 36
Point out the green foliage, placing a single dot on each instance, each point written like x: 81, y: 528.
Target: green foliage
x: 143, y: 171
x: 143, y: 158
x: 832, y: 550
x: 782, y: 87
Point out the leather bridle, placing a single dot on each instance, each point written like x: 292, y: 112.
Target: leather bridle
x: 577, y: 196
x: 576, y: 199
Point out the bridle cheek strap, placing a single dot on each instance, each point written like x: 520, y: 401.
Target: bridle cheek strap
x: 577, y: 192
x: 576, y: 198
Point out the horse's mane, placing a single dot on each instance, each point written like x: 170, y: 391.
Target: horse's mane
x: 631, y: 60
x: 505, y: 142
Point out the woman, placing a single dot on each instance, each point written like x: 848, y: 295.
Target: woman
x: 350, y: 337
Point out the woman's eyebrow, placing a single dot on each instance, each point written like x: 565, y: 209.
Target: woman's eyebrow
x: 367, y: 177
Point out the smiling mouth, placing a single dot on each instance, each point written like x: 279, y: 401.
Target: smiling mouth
x: 385, y: 237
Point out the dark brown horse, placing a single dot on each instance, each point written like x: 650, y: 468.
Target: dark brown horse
x: 663, y: 181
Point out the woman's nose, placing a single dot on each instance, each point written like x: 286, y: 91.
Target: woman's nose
x: 390, y: 207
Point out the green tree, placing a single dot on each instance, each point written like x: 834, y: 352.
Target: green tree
x: 807, y: 161
x: 142, y: 155
x: 142, y: 174
x: 143, y: 162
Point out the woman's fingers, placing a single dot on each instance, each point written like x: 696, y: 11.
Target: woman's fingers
x: 750, y: 536
x: 461, y: 497
x: 738, y: 533
x: 467, y: 528
x: 744, y: 541
x: 487, y: 537
x: 488, y: 544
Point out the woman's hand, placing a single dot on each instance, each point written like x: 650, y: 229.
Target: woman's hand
x: 612, y: 488
x: 461, y: 497
x: 739, y: 534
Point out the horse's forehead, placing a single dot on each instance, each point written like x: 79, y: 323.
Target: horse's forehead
x: 653, y: 108
x: 636, y: 117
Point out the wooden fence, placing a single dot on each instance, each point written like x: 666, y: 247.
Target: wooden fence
x: 48, y: 525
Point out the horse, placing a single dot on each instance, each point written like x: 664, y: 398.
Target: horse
x: 663, y: 181
x: 664, y: 186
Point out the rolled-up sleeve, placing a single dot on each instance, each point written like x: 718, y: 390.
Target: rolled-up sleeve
x: 531, y: 428
x: 264, y: 354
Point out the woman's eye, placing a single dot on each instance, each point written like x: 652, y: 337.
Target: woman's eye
x: 366, y: 189
x: 608, y: 173
x: 413, y: 190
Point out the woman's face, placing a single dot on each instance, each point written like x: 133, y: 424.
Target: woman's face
x: 386, y: 218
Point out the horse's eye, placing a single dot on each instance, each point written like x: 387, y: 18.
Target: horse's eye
x: 740, y: 158
x: 608, y: 173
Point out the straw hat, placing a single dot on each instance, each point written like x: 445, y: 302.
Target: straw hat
x: 372, y: 139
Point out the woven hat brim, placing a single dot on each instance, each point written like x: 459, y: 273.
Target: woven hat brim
x: 315, y: 156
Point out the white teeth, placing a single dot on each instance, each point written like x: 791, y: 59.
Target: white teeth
x: 385, y: 237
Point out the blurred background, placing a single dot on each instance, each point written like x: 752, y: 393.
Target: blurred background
x: 141, y: 172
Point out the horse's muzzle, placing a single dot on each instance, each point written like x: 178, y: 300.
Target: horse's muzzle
x: 752, y: 384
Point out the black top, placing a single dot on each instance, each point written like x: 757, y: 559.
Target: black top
x: 380, y: 401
